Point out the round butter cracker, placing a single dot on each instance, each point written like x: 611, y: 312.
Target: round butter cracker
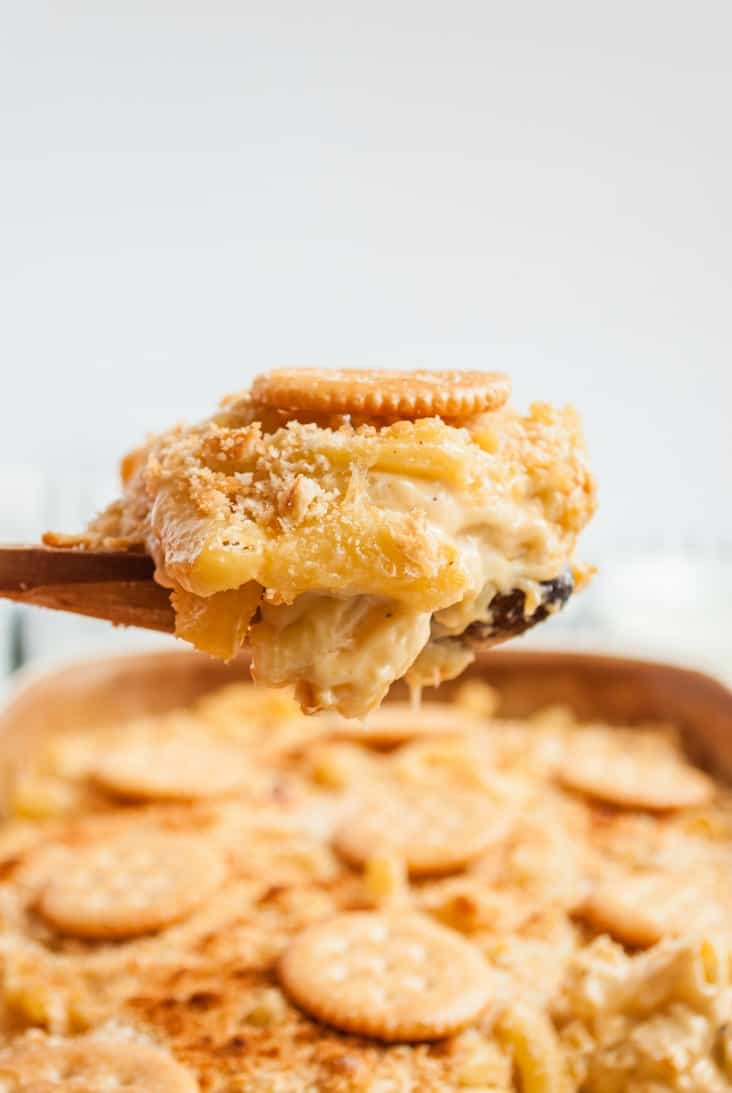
x: 644, y: 778
x: 170, y: 769
x: 434, y: 832
x: 42, y: 1064
x: 641, y: 909
x: 382, y: 394
x: 395, y: 977
x: 128, y: 885
x: 397, y: 723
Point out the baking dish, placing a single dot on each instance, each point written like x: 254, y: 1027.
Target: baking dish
x: 611, y: 689
x: 559, y: 892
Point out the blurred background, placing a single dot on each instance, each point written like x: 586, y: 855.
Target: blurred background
x: 191, y: 192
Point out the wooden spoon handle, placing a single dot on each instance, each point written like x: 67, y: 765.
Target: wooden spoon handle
x: 26, y: 567
x: 110, y: 585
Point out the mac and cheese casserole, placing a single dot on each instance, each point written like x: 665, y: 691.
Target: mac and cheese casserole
x: 233, y: 897
x: 355, y: 528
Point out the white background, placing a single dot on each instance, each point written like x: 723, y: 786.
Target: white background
x: 192, y: 192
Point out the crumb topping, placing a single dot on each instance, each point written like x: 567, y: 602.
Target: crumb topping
x: 434, y: 517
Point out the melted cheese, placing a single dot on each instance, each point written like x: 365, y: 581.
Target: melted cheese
x: 361, y: 554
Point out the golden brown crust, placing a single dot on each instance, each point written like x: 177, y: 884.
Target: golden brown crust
x: 384, y: 394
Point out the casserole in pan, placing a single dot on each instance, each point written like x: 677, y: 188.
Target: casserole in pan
x: 524, y: 887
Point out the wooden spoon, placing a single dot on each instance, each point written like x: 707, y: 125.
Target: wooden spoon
x: 113, y: 585
x: 119, y: 586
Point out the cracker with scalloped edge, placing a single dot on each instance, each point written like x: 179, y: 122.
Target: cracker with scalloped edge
x: 131, y: 883
x: 391, y: 977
